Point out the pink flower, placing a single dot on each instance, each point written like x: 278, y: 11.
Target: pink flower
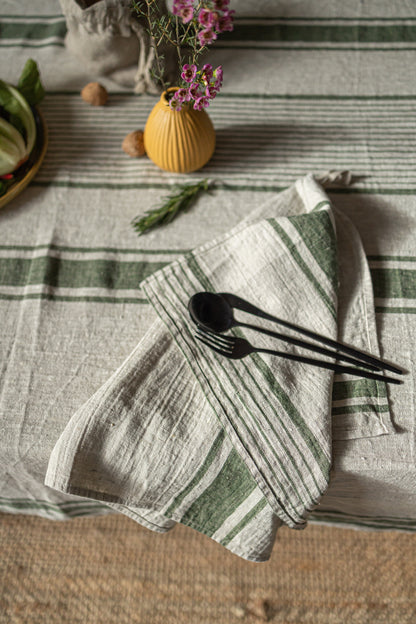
x: 179, y: 6
x: 211, y: 92
x: 226, y: 22
x: 195, y: 91
x: 206, y: 73
x: 201, y: 103
x: 175, y: 105
x: 206, y: 36
x: 187, y: 14
x: 205, y: 18
x: 188, y: 72
x: 178, y: 99
x: 218, y: 75
x: 183, y: 9
x: 183, y: 95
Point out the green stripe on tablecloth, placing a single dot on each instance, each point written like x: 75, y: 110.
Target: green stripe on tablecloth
x: 33, y: 44
x: 390, y: 258
x: 389, y: 283
x: 45, y: 296
x: 324, y: 19
x: 25, y: 18
x: 327, y: 32
x: 212, y: 453
x: 303, y: 266
x: 315, y: 229
x: 247, y: 95
x: 334, y: 47
x: 381, y: 522
x: 365, y: 524
x: 63, y: 273
x: 282, y: 31
x: 222, y: 497
x: 32, y: 31
x: 226, y: 186
x: 320, y: 33
x: 67, y: 508
x: 394, y: 310
x: 87, y: 250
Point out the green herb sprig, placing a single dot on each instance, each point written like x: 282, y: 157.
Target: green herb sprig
x: 180, y: 200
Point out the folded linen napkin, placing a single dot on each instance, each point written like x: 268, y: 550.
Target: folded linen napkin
x: 233, y: 448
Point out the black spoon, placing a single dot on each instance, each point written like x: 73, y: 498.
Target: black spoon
x: 214, y: 311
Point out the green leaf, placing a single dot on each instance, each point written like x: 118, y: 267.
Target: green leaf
x: 7, y: 101
x: 11, y: 107
x: 30, y: 85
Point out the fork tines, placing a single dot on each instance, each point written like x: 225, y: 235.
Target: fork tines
x: 218, y: 342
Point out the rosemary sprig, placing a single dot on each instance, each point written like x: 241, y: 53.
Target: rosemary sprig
x: 180, y: 200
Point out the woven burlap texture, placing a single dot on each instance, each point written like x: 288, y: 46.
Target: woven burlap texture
x: 109, y: 570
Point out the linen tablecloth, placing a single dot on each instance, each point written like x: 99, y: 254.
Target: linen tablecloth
x: 311, y: 88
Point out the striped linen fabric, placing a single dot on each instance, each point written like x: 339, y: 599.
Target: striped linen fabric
x: 331, y: 88
x: 32, y: 31
x: 302, y: 132
x: 214, y: 443
x: 324, y: 33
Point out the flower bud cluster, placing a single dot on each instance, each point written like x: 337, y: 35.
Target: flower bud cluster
x: 202, y: 86
x: 212, y: 16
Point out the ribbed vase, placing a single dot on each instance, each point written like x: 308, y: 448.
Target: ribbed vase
x: 178, y: 141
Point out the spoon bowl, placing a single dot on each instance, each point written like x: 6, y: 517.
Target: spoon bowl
x: 211, y: 311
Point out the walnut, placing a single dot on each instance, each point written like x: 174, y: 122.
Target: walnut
x: 133, y: 144
x: 94, y: 93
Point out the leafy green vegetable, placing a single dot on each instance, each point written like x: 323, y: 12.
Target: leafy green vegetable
x: 10, y: 132
x: 30, y: 85
x: 17, y: 124
x: 15, y: 104
x: 7, y: 100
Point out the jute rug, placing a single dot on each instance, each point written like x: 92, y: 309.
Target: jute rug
x: 108, y: 570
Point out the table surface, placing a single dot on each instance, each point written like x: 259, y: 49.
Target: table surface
x: 328, y: 87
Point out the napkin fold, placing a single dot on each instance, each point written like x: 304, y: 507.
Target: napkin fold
x: 232, y: 448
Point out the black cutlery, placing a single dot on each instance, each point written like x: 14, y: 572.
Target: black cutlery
x: 214, y: 311
x: 236, y: 348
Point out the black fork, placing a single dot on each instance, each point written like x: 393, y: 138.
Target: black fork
x: 236, y: 348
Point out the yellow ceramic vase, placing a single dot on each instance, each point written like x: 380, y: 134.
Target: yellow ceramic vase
x: 178, y: 141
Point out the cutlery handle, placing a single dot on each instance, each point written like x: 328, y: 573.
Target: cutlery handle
x: 245, y: 306
x: 337, y: 368
x: 309, y: 345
